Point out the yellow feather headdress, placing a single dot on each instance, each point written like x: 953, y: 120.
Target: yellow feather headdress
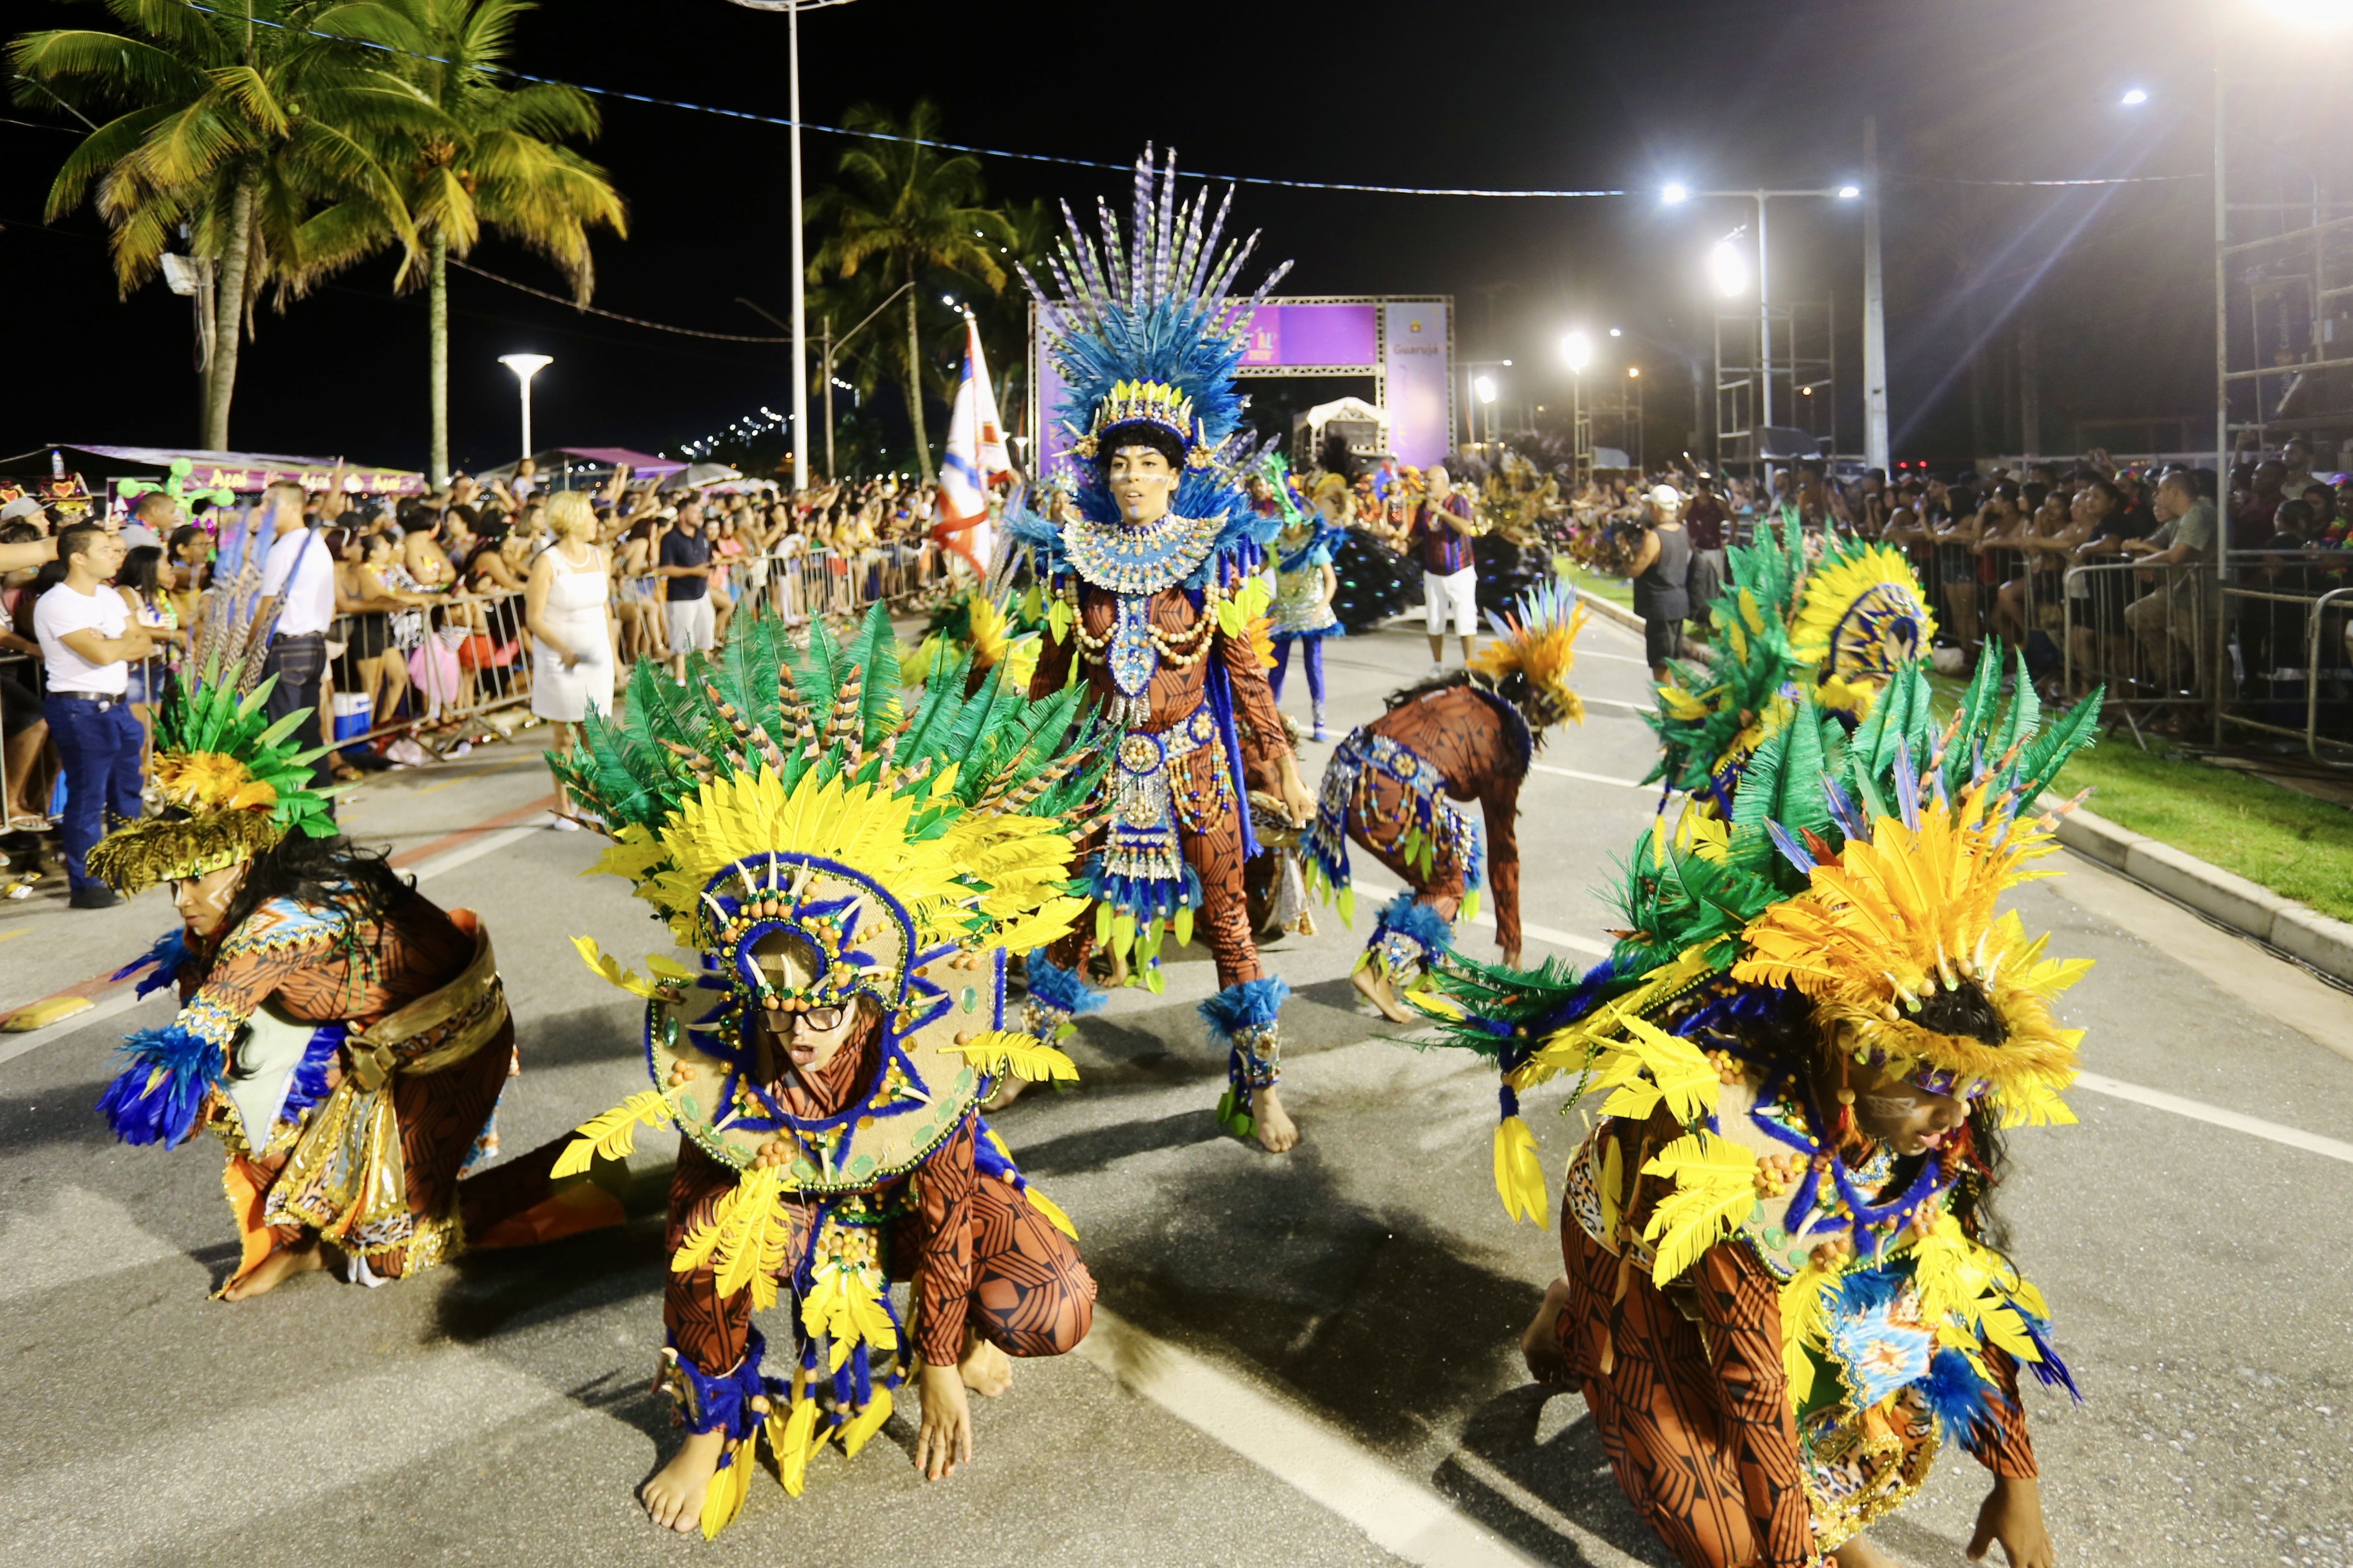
x: 1537, y: 639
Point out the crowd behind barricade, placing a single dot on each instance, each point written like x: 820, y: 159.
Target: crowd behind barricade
x: 444, y: 620
x: 2101, y: 573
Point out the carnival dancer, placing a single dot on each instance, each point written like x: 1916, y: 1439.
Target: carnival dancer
x: 841, y: 879
x: 1151, y: 588
x: 1465, y: 736
x: 345, y: 1037
x: 1440, y: 528
x: 1305, y: 584
x: 1838, y: 628
x: 1785, y: 1287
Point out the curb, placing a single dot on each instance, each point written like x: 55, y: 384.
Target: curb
x: 1619, y: 614
x: 2224, y: 896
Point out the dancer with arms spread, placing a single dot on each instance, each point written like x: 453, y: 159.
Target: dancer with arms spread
x: 1151, y: 588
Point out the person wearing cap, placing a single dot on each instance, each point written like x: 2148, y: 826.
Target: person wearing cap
x: 1439, y: 528
x: 27, y: 553
x: 1661, y: 570
x: 88, y: 641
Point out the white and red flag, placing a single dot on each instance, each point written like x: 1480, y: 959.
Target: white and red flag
x: 976, y: 459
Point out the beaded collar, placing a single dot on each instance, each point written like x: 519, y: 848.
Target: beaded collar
x: 1140, y: 558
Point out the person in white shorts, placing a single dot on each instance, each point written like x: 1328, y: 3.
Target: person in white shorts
x: 686, y: 566
x: 1438, y: 529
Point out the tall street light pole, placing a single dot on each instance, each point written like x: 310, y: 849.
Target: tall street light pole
x: 525, y: 366
x: 1763, y: 198
x: 1874, y: 311
x: 792, y: 10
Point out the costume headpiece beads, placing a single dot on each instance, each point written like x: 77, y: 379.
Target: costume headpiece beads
x: 1149, y: 403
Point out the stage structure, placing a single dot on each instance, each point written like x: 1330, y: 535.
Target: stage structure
x: 1404, y: 344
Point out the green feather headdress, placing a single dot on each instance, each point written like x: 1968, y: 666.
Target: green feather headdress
x: 227, y: 782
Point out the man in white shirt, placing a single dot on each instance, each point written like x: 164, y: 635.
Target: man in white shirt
x: 88, y: 641
x: 298, y: 584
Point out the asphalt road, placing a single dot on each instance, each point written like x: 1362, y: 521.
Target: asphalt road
x: 1307, y: 1361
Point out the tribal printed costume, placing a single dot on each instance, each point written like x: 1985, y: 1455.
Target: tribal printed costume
x: 1391, y: 784
x: 1775, y: 1319
x: 1155, y: 617
x: 1837, y: 629
x: 812, y: 847
x: 348, y: 1050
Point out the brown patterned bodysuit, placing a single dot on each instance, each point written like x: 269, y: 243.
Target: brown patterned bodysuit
x: 1209, y: 801
x: 295, y: 958
x: 979, y: 1253
x: 1481, y: 748
x: 1687, y: 1391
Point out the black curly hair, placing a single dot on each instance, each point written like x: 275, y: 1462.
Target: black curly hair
x: 1139, y: 434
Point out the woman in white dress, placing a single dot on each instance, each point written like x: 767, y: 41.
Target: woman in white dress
x: 568, y: 607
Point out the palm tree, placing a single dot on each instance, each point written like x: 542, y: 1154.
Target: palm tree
x: 490, y: 156
x: 249, y: 136
x: 906, y: 210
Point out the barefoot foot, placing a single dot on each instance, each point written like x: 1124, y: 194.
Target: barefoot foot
x: 1859, y: 1553
x: 274, y: 1270
x: 1374, y: 987
x: 673, y: 1499
x: 985, y: 1369
x: 1275, y: 1131
x: 1540, y: 1346
x: 1009, y: 1089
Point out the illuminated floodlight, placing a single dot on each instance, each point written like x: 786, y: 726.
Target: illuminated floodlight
x: 1634, y: 371
x: 1577, y: 349
x: 1486, y: 386
x: 1617, y: 331
x: 1674, y: 194
x: 1727, y: 269
x: 1848, y: 193
x: 2318, y: 15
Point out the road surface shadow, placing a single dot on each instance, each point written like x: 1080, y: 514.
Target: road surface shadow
x: 1077, y: 1153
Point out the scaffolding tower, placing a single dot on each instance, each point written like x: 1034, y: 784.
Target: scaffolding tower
x: 1801, y: 377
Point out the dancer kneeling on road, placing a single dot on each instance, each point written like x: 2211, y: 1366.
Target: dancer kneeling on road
x: 1390, y: 785
x: 345, y: 1037
x: 841, y: 886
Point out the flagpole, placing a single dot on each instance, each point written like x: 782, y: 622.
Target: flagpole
x: 800, y: 296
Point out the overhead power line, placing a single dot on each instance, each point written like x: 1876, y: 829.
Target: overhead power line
x: 615, y: 315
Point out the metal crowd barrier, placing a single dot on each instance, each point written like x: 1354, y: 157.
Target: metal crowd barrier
x: 2153, y: 635
x: 452, y: 664
x: 2315, y: 626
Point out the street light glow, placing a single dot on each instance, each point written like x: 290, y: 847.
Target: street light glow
x: 1634, y: 371
x: 1617, y: 331
x: 1848, y: 193
x: 2320, y: 15
x: 1674, y: 194
x: 1577, y: 349
x: 1486, y: 386
x: 1729, y: 270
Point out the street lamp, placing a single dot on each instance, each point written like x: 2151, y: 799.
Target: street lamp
x: 1729, y: 270
x: 2134, y: 97
x: 525, y: 366
x: 1674, y: 194
x: 792, y: 10
x: 1634, y: 374
x: 1485, y: 387
x: 1577, y: 349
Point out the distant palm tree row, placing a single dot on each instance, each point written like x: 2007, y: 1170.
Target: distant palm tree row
x: 273, y: 143
x: 276, y: 148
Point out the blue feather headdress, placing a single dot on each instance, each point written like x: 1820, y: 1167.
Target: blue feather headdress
x: 1150, y: 331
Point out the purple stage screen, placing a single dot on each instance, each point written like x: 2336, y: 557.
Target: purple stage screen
x: 1304, y: 336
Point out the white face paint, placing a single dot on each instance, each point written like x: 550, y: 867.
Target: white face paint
x: 203, y: 901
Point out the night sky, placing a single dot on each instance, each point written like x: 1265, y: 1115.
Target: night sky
x: 2117, y: 279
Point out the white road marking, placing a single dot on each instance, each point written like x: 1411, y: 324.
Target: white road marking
x: 122, y: 1001
x: 1589, y: 778
x: 1398, y: 1514
x: 1614, y: 702
x: 2293, y: 1137
x: 1542, y: 933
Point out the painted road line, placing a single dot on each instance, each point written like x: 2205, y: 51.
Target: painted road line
x: 1613, y: 702
x: 2293, y: 1137
x: 1398, y: 1514
x: 488, y: 844
x: 1542, y: 933
x: 1590, y: 778
x: 113, y: 1006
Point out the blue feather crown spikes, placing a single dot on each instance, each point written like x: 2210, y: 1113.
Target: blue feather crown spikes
x: 1156, y: 306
